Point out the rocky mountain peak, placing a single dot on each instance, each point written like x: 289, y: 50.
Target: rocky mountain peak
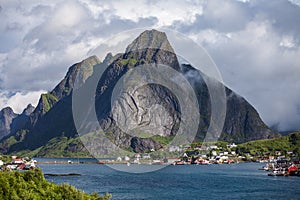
x: 85, y: 67
x: 152, y: 47
x: 7, y: 111
x: 28, y: 110
x: 150, y: 39
x: 6, y: 117
x: 108, y: 57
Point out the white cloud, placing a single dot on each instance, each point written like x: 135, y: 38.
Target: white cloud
x: 209, y: 36
x: 296, y: 2
x: 287, y: 41
x: 19, y: 100
x: 166, y: 12
x: 64, y: 33
x: 48, y: 48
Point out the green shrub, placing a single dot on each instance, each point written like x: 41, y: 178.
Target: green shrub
x: 32, y: 185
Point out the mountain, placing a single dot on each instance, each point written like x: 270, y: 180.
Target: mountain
x: 10, y: 121
x: 6, y: 117
x: 149, y: 109
x: 22, y: 119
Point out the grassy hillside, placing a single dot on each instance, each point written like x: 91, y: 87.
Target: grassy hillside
x: 57, y: 147
x: 32, y: 185
x: 285, y: 144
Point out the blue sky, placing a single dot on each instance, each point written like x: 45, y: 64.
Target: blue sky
x: 255, y: 44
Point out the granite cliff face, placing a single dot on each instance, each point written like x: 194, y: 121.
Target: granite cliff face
x: 243, y: 122
x: 150, y: 110
x: 141, y: 115
x: 6, y: 117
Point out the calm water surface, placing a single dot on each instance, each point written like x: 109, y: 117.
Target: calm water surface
x: 234, y: 181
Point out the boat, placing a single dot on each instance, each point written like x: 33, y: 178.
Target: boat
x: 204, y: 162
x: 179, y: 163
x: 293, y: 170
x: 101, y: 162
x: 156, y: 162
x: 278, y: 172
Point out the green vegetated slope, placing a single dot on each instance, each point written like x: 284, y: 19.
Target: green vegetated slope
x: 48, y: 100
x: 289, y: 143
x: 58, y: 147
x: 32, y: 185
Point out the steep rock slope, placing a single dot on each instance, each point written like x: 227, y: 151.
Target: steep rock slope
x: 6, y: 117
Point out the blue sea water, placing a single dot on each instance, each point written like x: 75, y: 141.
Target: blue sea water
x: 234, y: 181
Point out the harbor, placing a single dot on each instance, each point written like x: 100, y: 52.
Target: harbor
x: 283, y: 167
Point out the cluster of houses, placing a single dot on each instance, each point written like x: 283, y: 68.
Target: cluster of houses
x: 187, y: 155
x: 277, y: 155
x: 202, y: 154
x: 17, y: 163
x: 209, y: 154
x: 137, y: 158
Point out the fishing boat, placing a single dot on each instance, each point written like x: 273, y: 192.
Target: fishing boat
x: 278, y: 173
x: 293, y: 170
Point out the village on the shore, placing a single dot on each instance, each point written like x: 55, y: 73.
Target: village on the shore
x: 16, y: 163
x: 277, y: 163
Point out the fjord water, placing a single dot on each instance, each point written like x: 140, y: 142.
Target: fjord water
x: 234, y: 181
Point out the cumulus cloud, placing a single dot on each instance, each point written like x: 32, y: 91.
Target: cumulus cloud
x: 165, y: 11
x: 19, y: 100
x: 64, y: 34
x: 226, y: 17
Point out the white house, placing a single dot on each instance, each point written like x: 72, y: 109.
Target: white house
x: 213, y: 147
x: 17, y: 161
x: 174, y: 149
x: 233, y: 145
x: 119, y: 159
x: 126, y: 158
x: 137, y: 156
x: 146, y: 156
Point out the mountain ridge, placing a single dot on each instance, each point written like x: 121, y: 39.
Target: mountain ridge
x: 52, y: 118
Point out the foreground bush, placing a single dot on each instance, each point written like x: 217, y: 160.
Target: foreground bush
x: 32, y: 185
